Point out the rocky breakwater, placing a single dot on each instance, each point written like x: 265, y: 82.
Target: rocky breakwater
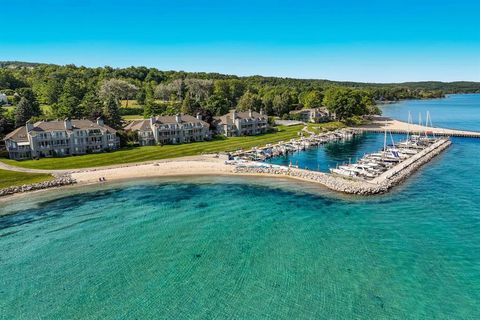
x: 355, y: 186
x: 59, y: 181
x: 406, y: 168
x: 349, y: 186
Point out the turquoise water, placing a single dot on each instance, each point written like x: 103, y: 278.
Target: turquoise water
x: 330, y: 155
x: 457, y: 111
x: 234, y: 248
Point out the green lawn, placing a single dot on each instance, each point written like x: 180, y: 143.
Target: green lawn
x: 327, y: 126
x: 13, y: 178
x: 131, y: 104
x: 7, y: 108
x: 139, y: 154
x: 133, y: 117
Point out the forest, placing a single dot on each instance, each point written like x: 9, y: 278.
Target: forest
x: 46, y: 91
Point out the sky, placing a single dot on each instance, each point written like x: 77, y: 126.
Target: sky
x: 368, y: 41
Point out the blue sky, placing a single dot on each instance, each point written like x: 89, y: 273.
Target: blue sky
x: 371, y: 41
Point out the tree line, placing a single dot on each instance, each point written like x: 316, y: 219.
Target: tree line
x: 79, y: 92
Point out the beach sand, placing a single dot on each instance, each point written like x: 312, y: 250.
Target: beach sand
x: 199, y: 165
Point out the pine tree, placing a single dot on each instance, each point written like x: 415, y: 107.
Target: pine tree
x: 24, y: 111
x: 111, y: 112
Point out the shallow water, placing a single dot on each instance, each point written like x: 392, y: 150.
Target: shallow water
x: 456, y: 111
x: 215, y: 248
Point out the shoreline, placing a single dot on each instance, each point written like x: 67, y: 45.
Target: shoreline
x: 215, y: 165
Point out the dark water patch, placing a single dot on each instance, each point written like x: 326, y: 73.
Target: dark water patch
x: 201, y: 205
x: 378, y: 301
x: 71, y: 225
x: 8, y: 233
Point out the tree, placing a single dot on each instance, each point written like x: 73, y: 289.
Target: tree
x: 346, y: 102
x: 50, y: 90
x: 199, y: 89
x: 190, y: 106
x: 68, y: 105
x: 119, y: 89
x: 311, y: 99
x: 4, y: 123
x: 92, y: 106
x: 111, y: 112
x: 27, y: 107
x: 282, y: 104
x: 217, y: 105
x: 141, y: 96
x: 23, y: 112
x: 249, y: 101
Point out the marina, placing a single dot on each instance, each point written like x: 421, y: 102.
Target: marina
x: 373, y: 173
x: 294, y: 145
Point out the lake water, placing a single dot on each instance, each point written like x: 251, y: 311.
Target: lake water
x: 237, y: 248
x: 335, y: 153
x: 457, y: 111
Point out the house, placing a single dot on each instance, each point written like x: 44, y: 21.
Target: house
x: 241, y: 123
x: 170, y: 129
x: 314, y: 115
x: 3, y: 99
x: 60, y: 138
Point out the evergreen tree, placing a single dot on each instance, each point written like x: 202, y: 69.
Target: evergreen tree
x: 141, y: 96
x: 23, y: 112
x: 92, y: 106
x: 111, y: 112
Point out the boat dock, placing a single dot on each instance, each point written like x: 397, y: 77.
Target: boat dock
x: 380, y: 124
x: 294, y: 145
x: 352, y: 185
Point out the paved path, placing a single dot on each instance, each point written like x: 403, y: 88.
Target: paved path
x: 5, y: 166
x: 379, y: 124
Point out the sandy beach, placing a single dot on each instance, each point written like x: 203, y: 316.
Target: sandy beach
x: 198, y: 165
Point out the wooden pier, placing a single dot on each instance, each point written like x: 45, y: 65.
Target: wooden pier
x: 380, y: 124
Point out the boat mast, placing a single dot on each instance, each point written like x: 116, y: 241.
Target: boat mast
x: 429, y: 121
x: 385, y: 141
x: 420, y: 123
x: 408, y: 126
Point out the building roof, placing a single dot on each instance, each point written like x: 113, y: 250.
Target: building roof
x: 20, y: 134
x: 138, y: 125
x: 76, y: 124
x: 228, y: 118
x: 144, y: 125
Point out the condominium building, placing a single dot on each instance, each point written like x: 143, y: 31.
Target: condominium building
x: 314, y: 115
x: 60, y: 138
x: 241, y: 123
x: 170, y: 129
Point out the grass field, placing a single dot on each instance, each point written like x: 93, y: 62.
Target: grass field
x: 139, y: 154
x: 13, y: 178
x: 327, y: 126
x: 7, y: 108
x: 131, y: 104
x: 133, y: 117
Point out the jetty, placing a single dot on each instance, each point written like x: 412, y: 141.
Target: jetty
x: 379, y: 124
x: 382, y: 171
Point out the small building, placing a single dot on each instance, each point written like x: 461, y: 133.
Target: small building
x: 170, y: 129
x: 315, y: 115
x: 60, y: 138
x: 241, y: 123
x: 3, y: 99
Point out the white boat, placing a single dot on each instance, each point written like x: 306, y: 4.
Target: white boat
x: 342, y: 172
